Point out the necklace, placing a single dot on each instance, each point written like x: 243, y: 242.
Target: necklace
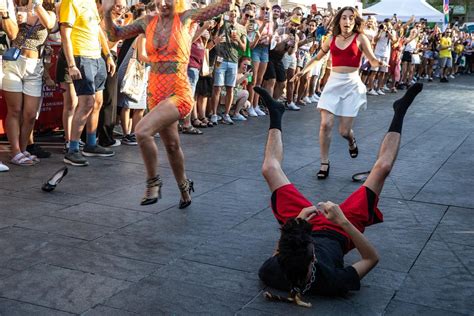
x: 346, y: 37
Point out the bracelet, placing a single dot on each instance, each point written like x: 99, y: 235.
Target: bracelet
x: 108, y: 55
x: 72, y: 66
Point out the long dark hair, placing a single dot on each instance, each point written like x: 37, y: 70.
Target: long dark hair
x: 336, y: 27
x: 48, y: 5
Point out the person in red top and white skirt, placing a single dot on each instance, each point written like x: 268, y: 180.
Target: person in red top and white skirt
x: 344, y: 93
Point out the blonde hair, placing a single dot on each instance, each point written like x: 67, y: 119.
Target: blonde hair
x: 180, y: 6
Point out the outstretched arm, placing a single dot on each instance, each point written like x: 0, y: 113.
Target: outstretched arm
x: 207, y: 13
x: 116, y: 33
x: 369, y: 256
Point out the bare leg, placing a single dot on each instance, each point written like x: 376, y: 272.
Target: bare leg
x: 345, y: 130
x: 30, y: 109
x: 271, y: 168
x: 170, y: 138
x: 14, y: 102
x: 93, y: 119
x: 136, y: 118
x: 162, y: 116
x: 70, y: 104
x: 125, y: 120
x: 325, y: 131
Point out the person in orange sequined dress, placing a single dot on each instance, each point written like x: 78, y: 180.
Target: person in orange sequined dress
x: 168, y: 46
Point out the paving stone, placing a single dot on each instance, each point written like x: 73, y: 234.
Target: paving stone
x: 439, y: 287
x: 456, y: 227
x: 227, y: 251
x: 65, y: 227
x: 102, y: 310
x: 59, y: 288
x: 14, y: 308
x: 20, y: 208
x: 100, y: 215
x: 399, y: 308
x: 100, y: 264
x: 21, y: 248
x: 168, y: 298
x: 211, y: 276
x: 153, y: 248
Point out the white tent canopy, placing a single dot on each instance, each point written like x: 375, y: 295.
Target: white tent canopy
x: 405, y: 9
x: 320, y: 3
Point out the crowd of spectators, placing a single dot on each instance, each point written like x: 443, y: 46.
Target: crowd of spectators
x: 255, y: 44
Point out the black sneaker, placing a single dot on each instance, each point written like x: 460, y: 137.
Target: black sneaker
x: 97, y: 151
x: 75, y: 159
x: 129, y: 140
x: 444, y: 80
x: 37, y: 151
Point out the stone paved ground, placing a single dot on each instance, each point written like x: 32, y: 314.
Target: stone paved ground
x: 89, y: 248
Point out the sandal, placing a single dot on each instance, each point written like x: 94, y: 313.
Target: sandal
x: 34, y: 158
x: 199, y: 123
x: 353, y: 152
x: 208, y: 123
x: 323, y: 174
x: 186, y: 187
x: 153, y: 191
x: 21, y: 160
x: 191, y: 130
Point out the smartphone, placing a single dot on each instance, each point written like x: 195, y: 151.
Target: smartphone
x: 329, y: 6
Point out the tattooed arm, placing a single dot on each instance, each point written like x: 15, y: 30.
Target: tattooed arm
x: 116, y: 33
x: 207, y: 13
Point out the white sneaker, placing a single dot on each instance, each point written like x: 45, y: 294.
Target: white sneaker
x: 372, y: 92
x: 214, y: 119
x: 239, y: 117
x: 227, y: 120
x: 252, y: 112
x: 293, y: 107
x: 413, y: 81
x: 259, y: 112
x: 307, y: 100
x: 452, y: 77
x: 3, y: 168
x: 380, y: 92
x: 385, y: 88
x: 315, y: 98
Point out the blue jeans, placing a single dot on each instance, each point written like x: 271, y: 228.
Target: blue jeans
x: 260, y: 54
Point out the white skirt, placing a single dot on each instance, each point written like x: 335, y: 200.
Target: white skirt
x: 343, y: 94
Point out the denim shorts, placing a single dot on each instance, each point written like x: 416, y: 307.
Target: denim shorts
x: 93, y: 73
x: 260, y: 54
x: 226, y: 74
x: 193, y: 75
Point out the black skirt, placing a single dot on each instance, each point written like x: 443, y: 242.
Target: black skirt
x: 204, y: 86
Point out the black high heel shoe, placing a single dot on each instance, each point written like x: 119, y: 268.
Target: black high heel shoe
x: 186, y: 187
x: 153, y: 191
x: 50, y: 185
x: 353, y: 152
x: 323, y: 174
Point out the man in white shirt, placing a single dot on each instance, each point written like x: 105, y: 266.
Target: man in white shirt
x: 385, y: 36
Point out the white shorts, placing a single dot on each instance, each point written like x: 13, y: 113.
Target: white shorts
x: 23, y: 75
x: 344, y: 94
x: 289, y: 61
x: 381, y: 69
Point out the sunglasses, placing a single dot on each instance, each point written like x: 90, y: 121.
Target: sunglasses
x: 249, y: 16
x: 265, y: 9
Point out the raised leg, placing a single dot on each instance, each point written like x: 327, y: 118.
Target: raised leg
x: 391, y: 142
x: 271, y: 168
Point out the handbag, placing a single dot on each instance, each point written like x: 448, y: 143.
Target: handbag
x: 13, y: 53
x: 133, y: 84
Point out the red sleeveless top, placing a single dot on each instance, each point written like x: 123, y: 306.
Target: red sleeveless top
x: 349, y: 57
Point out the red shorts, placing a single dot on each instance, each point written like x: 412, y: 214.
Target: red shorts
x: 360, y: 209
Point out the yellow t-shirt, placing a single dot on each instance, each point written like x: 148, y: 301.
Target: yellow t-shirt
x: 458, y: 49
x: 84, y: 18
x: 445, y: 53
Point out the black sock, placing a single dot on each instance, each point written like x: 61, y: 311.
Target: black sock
x: 275, y: 108
x: 400, y: 107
